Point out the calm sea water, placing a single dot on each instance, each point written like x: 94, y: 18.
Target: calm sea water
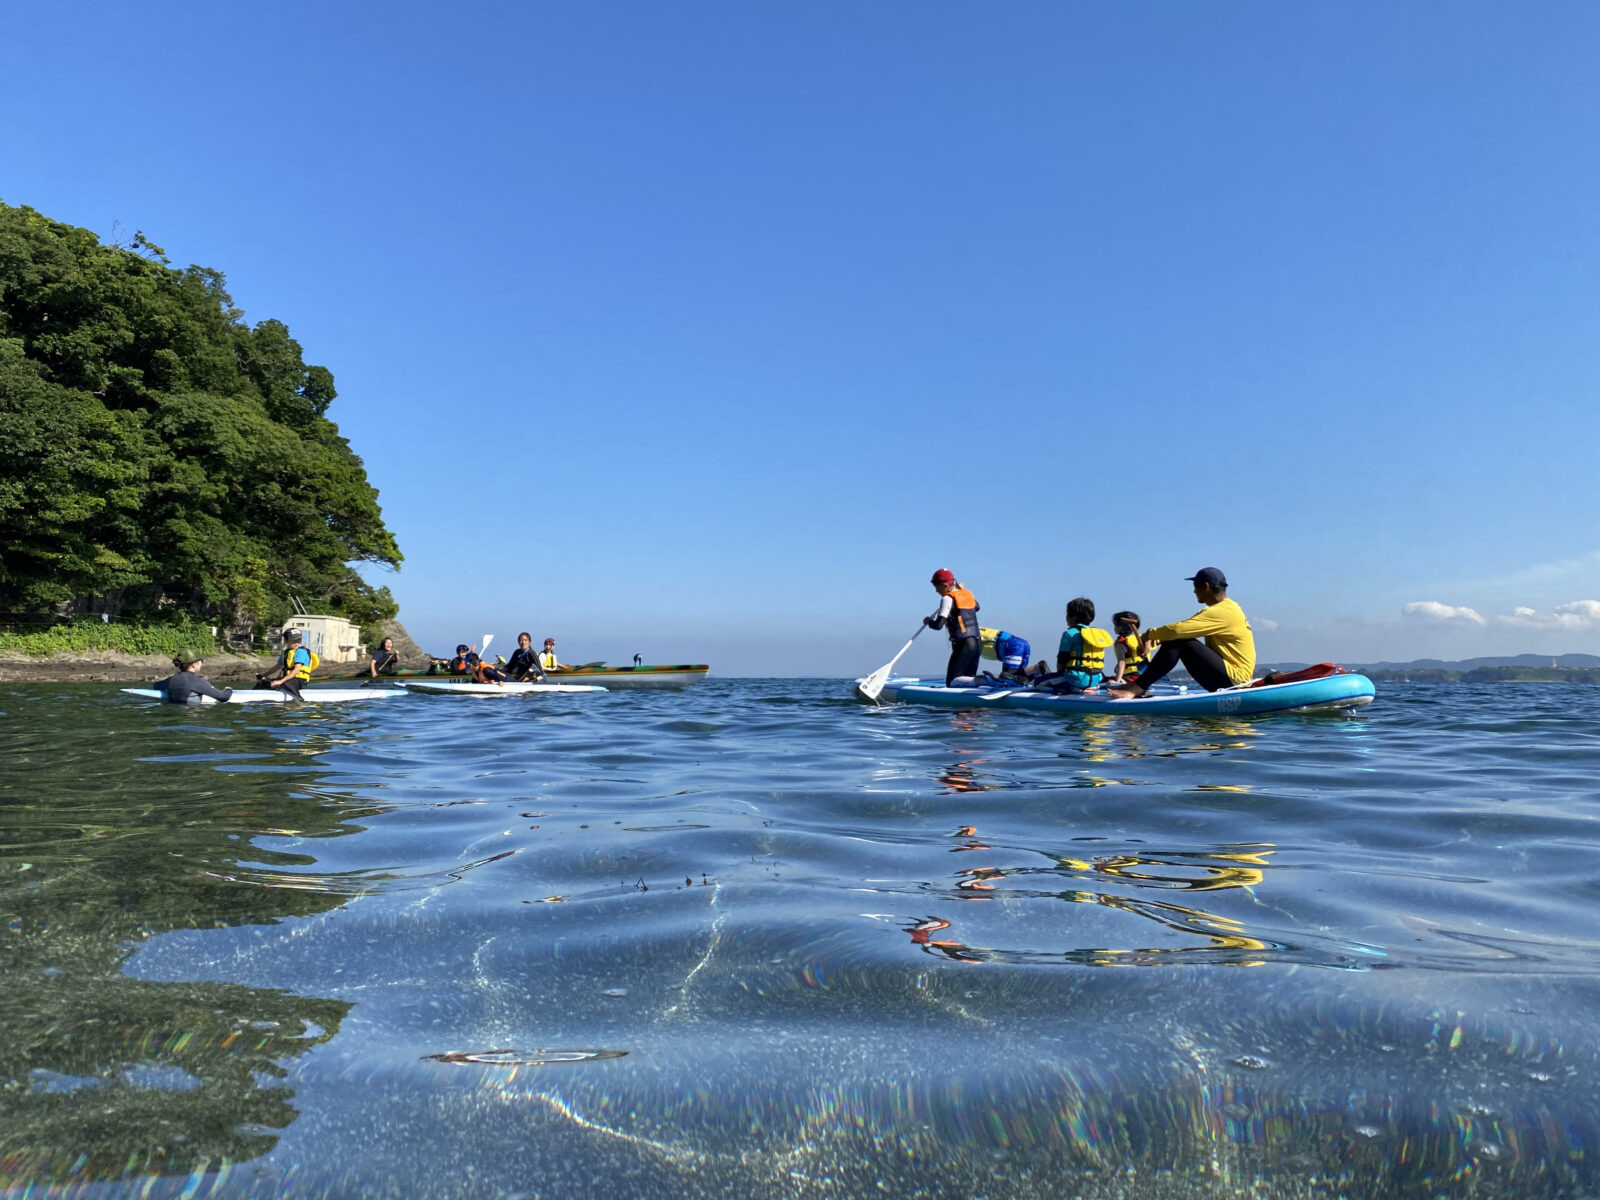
x: 753, y: 939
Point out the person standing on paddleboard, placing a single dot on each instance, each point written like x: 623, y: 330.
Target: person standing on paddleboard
x: 1226, y: 656
x: 957, y: 615
x: 189, y: 682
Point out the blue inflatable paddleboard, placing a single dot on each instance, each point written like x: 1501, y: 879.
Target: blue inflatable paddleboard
x: 1341, y: 692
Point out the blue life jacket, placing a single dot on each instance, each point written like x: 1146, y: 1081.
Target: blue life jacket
x: 1012, y: 651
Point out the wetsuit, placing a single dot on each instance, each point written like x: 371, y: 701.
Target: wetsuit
x: 523, y: 663
x: 186, y: 686
x: 958, y: 616
x: 386, y: 662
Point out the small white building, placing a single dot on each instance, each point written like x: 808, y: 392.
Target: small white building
x: 334, y: 639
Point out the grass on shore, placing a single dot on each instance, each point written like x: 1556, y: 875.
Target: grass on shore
x: 81, y: 636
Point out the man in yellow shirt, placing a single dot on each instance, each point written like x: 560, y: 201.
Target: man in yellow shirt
x: 1226, y: 657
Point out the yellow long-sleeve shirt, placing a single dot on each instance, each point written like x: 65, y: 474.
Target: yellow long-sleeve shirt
x: 1225, y: 629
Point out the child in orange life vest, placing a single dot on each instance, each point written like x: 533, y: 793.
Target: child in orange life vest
x: 957, y: 615
x: 1131, y: 657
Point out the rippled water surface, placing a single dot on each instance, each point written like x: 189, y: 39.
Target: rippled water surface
x: 753, y: 939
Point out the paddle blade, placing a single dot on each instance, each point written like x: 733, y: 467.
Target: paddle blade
x: 871, y: 687
x: 487, y: 638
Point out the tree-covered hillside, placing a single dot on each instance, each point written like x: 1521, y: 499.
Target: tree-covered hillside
x: 160, y: 455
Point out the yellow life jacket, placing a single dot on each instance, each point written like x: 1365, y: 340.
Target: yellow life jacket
x: 1090, y: 655
x: 547, y: 660
x: 988, y: 636
x: 1134, y: 660
x: 299, y: 670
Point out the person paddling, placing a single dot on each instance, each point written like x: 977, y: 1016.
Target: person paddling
x: 188, y: 682
x: 1226, y: 656
x: 957, y: 615
x: 294, y: 667
x: 385, y: 661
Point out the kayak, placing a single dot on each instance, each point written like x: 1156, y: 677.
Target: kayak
x: 635, y: 677
x: 273, y: 695
x: 649, y: 676
x: 1332, y: 693
x: 441, y: 687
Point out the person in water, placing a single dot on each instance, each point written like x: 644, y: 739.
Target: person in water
x: 524, y: 661
x: 465, y: 661
x: 1227, y: 654
x: 1131, y: 658
x: 385, y: 660
x: 957, y: 615
x: 189, y: 683
x: 1081, y: 653
x: 294, y: 667
x: 547, y: 660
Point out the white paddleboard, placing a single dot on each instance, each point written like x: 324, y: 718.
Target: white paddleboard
x: 275, y: 695
x: 441, y: 688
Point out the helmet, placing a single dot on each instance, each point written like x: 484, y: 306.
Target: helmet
x: 943, y: 576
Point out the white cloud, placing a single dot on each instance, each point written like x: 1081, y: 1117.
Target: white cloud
x: 1445, y: 614
x: 1575, y: 617
x: 1264, y: 623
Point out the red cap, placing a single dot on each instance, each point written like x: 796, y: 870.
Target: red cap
x: 943, y: 576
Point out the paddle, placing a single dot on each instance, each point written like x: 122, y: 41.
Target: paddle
x: 871, y: 687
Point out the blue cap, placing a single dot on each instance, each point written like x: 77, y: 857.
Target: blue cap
x: 1211, y: 575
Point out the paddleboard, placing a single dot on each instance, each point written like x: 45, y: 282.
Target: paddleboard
x: 274, y: 695
x: 1335, y: 693
x: 442, y: 688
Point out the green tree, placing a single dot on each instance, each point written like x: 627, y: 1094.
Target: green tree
x: 156, y: 446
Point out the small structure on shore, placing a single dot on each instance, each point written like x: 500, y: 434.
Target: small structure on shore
x: 334, y: 639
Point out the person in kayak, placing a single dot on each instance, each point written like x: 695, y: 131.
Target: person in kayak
x: 385, y: 660
x: 294, y: 667
x: 188, y: 682
x: 957, y: 615
x: 465, y: 661
x: 1081, y: 653
x: 483, y: 672
x: 1226, y: 656
x: 547, y: 660
x: 524, y: 661
x: 1131, y: 658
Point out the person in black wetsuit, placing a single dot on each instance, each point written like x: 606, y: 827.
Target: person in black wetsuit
x: 188, y: 682
x: 524, y: 661
x: 385, y: 659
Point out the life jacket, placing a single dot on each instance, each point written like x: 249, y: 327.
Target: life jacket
x: 1090, y: 654
x: 963, y: 619
x: 547, y: 660
x: 989, y: 637
x: 1135, y: 659
x: 293, y: 670
x: 462, y: 664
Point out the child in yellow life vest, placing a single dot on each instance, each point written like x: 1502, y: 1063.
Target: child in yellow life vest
x: 1081, y: 656
x: 1131, y: 658
x: 294, y: 667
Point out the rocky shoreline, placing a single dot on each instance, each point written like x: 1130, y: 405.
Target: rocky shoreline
x: 113, y: 666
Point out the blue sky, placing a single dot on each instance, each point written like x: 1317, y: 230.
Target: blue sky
x: 709, y: 330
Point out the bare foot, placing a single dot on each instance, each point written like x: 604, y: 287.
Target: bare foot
x: 1125, y: 691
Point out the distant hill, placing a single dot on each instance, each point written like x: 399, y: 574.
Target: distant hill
x: 1515, y: 668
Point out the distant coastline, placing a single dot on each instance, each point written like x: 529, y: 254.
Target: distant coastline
x: 1518, y: 668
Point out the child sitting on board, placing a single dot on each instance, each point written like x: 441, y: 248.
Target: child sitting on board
x: 1081, y: 656
x: 1131, y: 657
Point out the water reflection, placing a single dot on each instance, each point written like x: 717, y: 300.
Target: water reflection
x: 103, y: 1076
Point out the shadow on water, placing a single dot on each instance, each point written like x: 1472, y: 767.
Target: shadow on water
x: 103, y: 1076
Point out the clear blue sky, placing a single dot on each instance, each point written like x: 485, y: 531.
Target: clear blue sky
x: 709, y: 330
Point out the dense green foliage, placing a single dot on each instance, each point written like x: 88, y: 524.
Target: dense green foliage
x: 81, y: 636
x: 160, y: 454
